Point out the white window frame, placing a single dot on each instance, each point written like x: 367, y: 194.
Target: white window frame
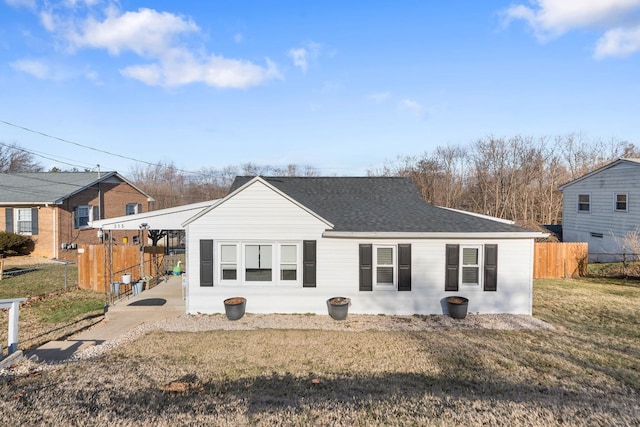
x: 393, y: 265
x: 219, y: 263
x: 276, y: 263
x: 626, y: 202
x: 76, y: 219
x: 578, y: 203
x: 479, y: 265
x: 18, y: 220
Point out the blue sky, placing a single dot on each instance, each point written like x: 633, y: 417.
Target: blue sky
x: 341, y: 86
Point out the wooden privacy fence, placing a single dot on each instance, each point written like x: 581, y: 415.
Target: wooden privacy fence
x: 100, y: 265
x: 558, y: 260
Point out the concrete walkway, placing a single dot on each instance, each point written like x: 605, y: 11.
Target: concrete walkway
x: 163, y: 301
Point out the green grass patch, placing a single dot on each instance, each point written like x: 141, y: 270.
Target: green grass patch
x: 43, y: 280
x: 69, y: 306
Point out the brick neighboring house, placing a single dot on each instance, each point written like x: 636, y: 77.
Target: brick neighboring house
x: 56, y: 208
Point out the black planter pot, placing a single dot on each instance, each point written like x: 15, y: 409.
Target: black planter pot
x: 234, y: 307
x: 338, y: 307
x: 457, y: 307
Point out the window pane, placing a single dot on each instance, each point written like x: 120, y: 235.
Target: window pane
x: 258, y: 275
x: 469, y: 256
x: 229, y: 272
x: 228, y: 253
x: 384, y: 275
x: 265, y: 256
x: 385, y: 256
x: 252, y: 256
x: 470, y: 275
x: 288, y: 254
x: 288, y: 273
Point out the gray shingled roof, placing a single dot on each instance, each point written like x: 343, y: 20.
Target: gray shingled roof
x: 377, y: 204
x: 45, y: 187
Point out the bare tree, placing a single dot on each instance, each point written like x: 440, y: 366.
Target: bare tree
x: 16, y: 159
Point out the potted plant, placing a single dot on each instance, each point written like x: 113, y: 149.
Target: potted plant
x: 457, y: 307
x: 338, y: 307
x: 234, y: 307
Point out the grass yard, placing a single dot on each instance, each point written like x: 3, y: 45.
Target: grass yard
x: 56, y: 307
x: 586, y: 372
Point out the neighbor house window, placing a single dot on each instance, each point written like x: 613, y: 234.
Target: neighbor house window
x: 132, y: 209
x: 23, y: 220
x: 258, y: 261
x: 228, y: 262
x: 384, y: 261
x: 584, y: 202
x: 470, y: 268
x: 620, y: 202
x: 82, y: 216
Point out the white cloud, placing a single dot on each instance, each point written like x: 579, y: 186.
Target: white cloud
x: 618, y: 42
x: 29, y: 4
x: 33, y: 67
x: 164, y: 40
x: 302, y: 56
x: 412, y: 106
x: 619, y: 19
x: 145, y: 32
x: 380, y: 97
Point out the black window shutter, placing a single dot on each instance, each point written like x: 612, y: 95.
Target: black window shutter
x: 490, y: 267
x: 75, y: 217
x: 404, y: 267
x: 139, y: 208
x: 96, y: 213
x: 366, y: 267
x: 309, y: 264
x: 8, y: 220
x: 34, y: 221
x: 206, y: 262
x: 453, y: 261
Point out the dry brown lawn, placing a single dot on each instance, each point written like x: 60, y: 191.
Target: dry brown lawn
x: 586, y: 372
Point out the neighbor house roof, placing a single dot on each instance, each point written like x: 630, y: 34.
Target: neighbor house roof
x: 377, y: 204
x: 627, y: 161
x: 38, y: 188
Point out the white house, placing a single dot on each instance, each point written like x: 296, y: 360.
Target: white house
x: 287, y: 244
x: 601, y: 207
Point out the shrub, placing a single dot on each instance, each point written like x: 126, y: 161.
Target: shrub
x: 13, y: 243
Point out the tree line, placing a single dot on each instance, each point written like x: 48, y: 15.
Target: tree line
x: 515, y: 178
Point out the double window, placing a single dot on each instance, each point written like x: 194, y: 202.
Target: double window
x: 133, y: 208
x: 258, y: 263
x: 620, y: 202
x: 584, y: 203
x: 23, y: 219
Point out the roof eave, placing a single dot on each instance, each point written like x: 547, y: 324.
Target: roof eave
x: 433, y: 235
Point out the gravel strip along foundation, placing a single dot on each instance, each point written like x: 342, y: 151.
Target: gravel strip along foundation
x: 354, y: 323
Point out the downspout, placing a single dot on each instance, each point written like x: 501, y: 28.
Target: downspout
x: 99, y: 196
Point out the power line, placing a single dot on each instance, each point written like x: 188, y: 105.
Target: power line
x: 35, y: 153
x: 95, y: 149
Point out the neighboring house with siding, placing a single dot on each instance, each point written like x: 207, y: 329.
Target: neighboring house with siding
x: 601, y: 207
x: 55, y: 208
x: 288, y: 244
